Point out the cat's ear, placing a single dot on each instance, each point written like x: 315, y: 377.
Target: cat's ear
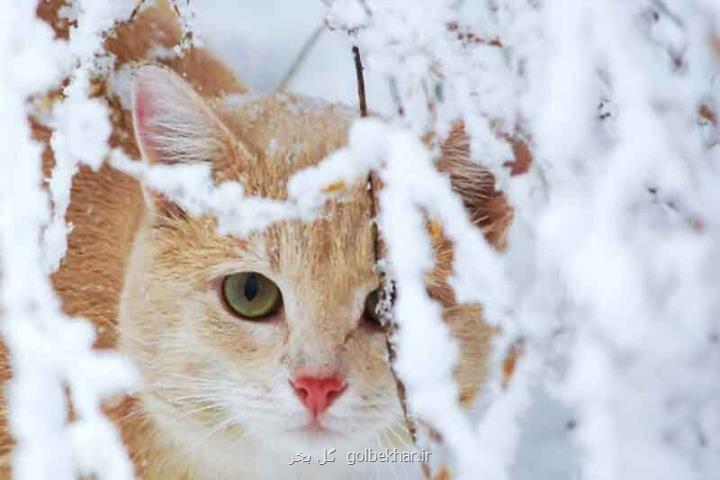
x: 486, y: 206
x: 172, y: 123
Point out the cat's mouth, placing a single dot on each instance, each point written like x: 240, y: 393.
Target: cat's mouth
x: 315, y: 432
x: 316, y: 425
x: 316, y: 428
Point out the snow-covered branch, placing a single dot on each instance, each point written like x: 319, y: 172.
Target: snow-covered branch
x: 51, y: 354
x: 616, y: 232
x: 610, y: 275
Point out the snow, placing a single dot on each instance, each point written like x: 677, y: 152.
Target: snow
x: 607, y: 243
x: 611, y: 273
x: 191, y: 187
x: 49, y: 351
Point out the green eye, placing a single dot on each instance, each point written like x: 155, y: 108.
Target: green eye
x: 371, y: 306
x: 251, y: 295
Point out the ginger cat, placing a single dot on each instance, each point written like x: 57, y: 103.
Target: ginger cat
x: 252, y: 350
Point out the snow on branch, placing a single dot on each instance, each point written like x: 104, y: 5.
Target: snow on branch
x: 50, y: 353
x: 610, y: 274
x: 610, y: 257
x: 404, y: 202
x: 192, y: 188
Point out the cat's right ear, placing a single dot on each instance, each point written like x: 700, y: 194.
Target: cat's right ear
x: 172, y: 123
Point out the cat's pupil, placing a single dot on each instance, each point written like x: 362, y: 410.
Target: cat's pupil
x: 251, y: 287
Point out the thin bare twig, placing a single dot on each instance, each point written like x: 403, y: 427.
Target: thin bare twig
x: 187, y: 42
x: 300, y: 58
x: 360, y: 80
x: 395, y: 95
x: 136, y: 10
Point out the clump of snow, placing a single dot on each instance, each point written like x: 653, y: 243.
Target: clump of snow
x: 81, y: 129
x: 191, y: 186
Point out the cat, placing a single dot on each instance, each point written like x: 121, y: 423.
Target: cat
x: 257, y: 352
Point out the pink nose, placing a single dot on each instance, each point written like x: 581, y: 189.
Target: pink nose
x: 318, y: 393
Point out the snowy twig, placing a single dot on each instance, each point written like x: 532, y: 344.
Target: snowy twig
x: 387, y: 285
x: 360, y: 77
x: 52, y: 355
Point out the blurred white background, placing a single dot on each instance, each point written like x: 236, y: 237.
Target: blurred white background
x: 260, y: 40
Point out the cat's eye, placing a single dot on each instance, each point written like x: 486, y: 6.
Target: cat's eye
x: 251, y: 295
x: 371, y: 312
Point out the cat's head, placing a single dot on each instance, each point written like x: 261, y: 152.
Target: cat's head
x: 270, y: 337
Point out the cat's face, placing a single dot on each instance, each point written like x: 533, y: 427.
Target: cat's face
x: 266, y: 337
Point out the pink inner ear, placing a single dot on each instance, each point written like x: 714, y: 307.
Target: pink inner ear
x: 143, y: 112
x: 142, y: 108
